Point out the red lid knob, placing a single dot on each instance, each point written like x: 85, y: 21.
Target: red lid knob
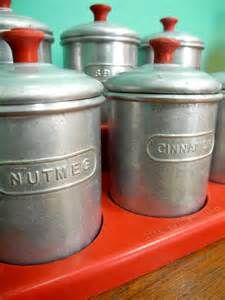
x: 5, y: 3
x: 164, y: 49
x: 24, y: 43
x: 100, y: 11
x: 169, y: 23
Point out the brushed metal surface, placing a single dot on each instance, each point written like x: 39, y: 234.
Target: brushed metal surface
x: 175, y: 182
x: 51, y: 176
x: 50, y: 163
x: 186, y: 56
x: 100, y: 59
x: 217, y: 173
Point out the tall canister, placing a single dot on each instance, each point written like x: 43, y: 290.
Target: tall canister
x: 50, y: 169
x: 8, y: 20
x: 161, y: 135
x: 218, y: 161
x: 101, y: 50
x: 187, y: 54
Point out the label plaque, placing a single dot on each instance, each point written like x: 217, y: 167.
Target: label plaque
x: 175, y: 148
x: 103, y: 72
x: 48, y: 174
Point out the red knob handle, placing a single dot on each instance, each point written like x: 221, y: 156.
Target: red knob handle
x: 164, y: 49
x: 24, y: 43
x: 5, y: 3
x: 169, y: 23
x: 100, y: 11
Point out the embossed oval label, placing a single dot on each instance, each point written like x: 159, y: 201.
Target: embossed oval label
x: 48, y: 174
x: 175, y: 148
x: 103, y: 72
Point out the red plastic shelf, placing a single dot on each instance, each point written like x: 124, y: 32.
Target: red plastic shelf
x: 127, y: 247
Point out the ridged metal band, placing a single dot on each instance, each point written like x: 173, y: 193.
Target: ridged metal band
x: 99, y: 38
x: 42, y: 108
x: 165, y: 98
x: 183, y: 44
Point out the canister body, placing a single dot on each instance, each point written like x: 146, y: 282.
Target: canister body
x: 160, y: 155
x: 50, y: 182
x: 185, y: 55
x: 217, y: 173
x: 44, y: 52
x: 100, y: 59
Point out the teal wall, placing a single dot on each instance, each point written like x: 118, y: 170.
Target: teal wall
x: 204, y: 18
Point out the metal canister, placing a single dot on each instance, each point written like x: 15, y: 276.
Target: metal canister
x: 50, y: 170
x: 189, y: 52
x: 217, y: 173
x: 161, y: 135
x: 9, y: 20
x: 100, y: 49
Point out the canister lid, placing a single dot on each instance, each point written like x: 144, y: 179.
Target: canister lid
x: 100, y: 29
x: 220, y: 76
x: 9, y: 20
x: 28, y: 82
x: 169, y: 31
x: 163, y: 77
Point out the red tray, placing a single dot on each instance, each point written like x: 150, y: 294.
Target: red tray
x: 128, y: 246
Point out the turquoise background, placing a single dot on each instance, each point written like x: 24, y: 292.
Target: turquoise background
x: 204, y: 18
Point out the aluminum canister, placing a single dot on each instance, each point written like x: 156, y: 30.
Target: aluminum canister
x: 161, y: 135
x: 50, y: 169
x: 189, y: 52
x: 9, y: 20
x: 100, y: 49
x: 218, y: 161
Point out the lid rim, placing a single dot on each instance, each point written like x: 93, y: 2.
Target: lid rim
x: 183, y: 44
x: 97, y: 29
x: 9, y: 20
x: 172, y: 98
x: 67, y: 105
x: 184, y: 38
x: 99, y: 38
x: 47, y: 34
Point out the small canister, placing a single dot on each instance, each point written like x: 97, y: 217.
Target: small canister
x: 100, y: 49
x: 50, y: 168
x: 189, y: 52
x: 161, y: 135
x: 218, y: 161
x: 9, y: 20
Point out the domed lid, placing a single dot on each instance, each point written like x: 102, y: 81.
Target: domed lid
x: 9, y: 20
x: 220, y: 76
x: 184, y: 38
x: 162, y: 77
x: 27, y: 81
x: 100, y: 28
